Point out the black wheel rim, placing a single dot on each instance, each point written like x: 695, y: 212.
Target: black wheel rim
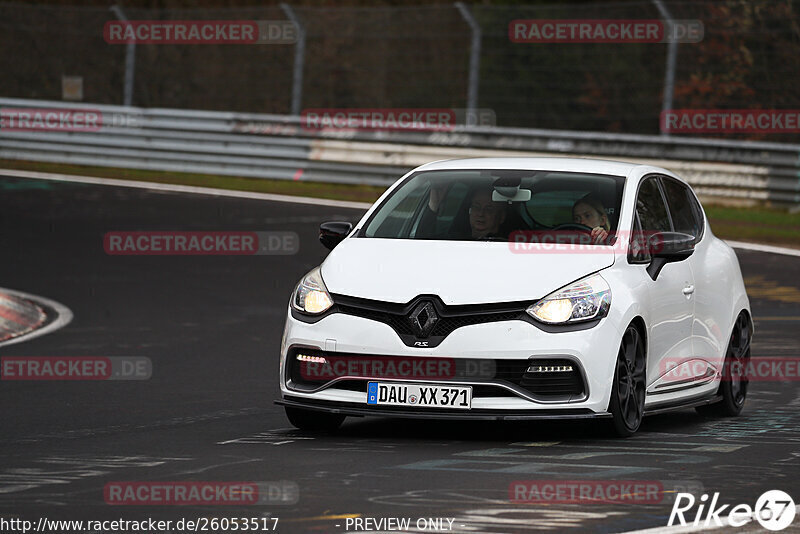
x: 737, y: 360
x: 631, y: 378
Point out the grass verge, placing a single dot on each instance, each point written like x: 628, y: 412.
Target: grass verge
x: 777, y: 226
x: 358, y: 193
x: 774, y: 226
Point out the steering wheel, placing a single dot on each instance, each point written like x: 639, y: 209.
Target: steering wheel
x: 573, y: 226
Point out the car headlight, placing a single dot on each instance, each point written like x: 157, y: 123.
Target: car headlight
x: 311, y: 296
x: 586, y: 299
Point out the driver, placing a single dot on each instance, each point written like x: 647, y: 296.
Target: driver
x: 485, y: 215
x: 589, y: 211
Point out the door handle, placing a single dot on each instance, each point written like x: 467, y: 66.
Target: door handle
x: 688, y: 290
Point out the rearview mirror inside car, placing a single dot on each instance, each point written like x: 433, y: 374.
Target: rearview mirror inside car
x: 507, y: 187
x: 510, y: 194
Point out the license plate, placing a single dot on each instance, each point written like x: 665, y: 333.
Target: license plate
x: 418, y: 395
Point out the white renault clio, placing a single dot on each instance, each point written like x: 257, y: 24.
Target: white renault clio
x: 520, y: 288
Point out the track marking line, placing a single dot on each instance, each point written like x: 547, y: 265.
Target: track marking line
x: 764, y: 248
x: 689, y: 528
x: 320, y: 518
x: 136, y: 184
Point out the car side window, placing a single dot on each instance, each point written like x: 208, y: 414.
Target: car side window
x: 637, y: 249
x: 651, y: 209
x: 681, y: 207
x: 651, y: 216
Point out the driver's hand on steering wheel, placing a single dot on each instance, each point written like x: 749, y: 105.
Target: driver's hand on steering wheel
x: 599, y: 234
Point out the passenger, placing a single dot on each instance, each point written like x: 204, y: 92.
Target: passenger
x: 485, y: 217
x: 589, y: 211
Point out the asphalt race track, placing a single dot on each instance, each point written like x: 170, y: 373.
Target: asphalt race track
x: 211, y: 326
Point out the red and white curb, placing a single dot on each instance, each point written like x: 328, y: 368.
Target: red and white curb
x: 23, y: 316
x: 18, y: 316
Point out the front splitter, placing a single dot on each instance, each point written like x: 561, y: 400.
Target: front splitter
x: 433, y: 413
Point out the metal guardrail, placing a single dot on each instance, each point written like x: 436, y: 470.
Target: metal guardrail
x: 278, y: 147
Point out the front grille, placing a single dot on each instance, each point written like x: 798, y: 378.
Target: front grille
x: 446, y: 325
x: 556, y: 385
x: 450, y: 318
x: 398, y: 322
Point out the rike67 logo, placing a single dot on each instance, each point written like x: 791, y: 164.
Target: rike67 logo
x: 774, y: 510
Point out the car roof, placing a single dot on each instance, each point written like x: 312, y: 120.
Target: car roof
x: 597, y: 166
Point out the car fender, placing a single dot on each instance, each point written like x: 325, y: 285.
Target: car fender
x: 627, y: 305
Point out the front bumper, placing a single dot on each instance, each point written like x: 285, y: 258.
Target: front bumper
x: 593, y: 350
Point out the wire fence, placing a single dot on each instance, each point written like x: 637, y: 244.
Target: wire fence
x: 420, y: 57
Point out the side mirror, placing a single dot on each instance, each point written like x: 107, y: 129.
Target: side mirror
x: 666, y: 247
x: 332, y: 233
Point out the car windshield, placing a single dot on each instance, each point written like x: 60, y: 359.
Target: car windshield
x: 486, y: 204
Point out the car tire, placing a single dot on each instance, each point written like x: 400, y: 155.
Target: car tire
x: 313, y: 421
x: 628, y: 388
x: 734, y: 382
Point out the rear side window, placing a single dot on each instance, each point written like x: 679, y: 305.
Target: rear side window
x: 698, y: 214
x: 682, y: 208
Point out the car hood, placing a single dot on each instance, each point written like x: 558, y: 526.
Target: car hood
x: 459, y: 272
